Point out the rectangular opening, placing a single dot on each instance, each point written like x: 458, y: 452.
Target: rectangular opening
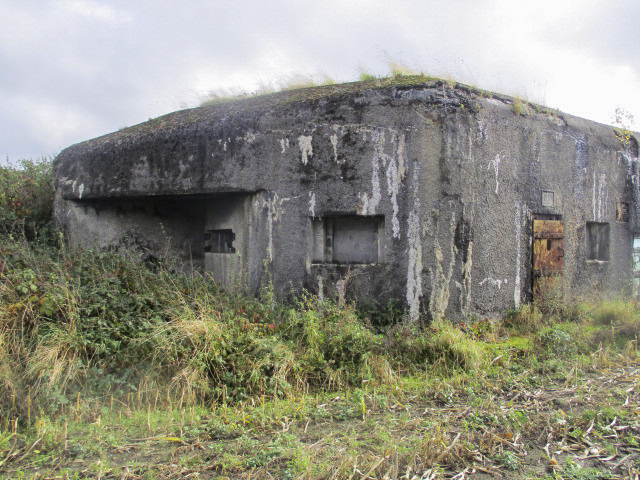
x: 598, y: 241
x: 219, y: 241
x: 622, y: 212
x: 348, y: 239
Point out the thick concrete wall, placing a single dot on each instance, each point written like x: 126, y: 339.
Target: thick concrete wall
x: 456, y: 177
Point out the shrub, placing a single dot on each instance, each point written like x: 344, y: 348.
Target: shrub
x: 381, y: 316
x: 333, y: 339
x: 451, y: 349
x: 526, y: 320
x: 441, y: 345
x: 555, y: 342
x: 26, y: 198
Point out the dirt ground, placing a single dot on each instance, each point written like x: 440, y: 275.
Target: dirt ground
x: 577, y: 424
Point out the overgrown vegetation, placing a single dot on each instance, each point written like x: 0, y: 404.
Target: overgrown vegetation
x: 114, y: 368
x: 26, y: 199
x: 397, y: 71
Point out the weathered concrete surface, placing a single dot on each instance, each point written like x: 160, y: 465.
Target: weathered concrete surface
x: 455, y: 175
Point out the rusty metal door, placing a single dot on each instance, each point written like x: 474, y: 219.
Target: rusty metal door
x: 548, y: 254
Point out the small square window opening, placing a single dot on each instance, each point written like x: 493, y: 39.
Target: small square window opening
x: 348, y: 239
x: 622, y: 212
x: 219, y: 241
x: 548, y: 198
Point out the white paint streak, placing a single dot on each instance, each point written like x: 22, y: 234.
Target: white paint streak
x: 395, y: 164
x: 495, y: 163
x: 602, y: 197
x: 312, y: 204
x: 440, y: 281
x: 306, y: 148
x: 494, y: 283
x: 274, y: 212
x: 80, y: 191
x: 516, y: 288
x: 284, y: 144
x: 376, y: 195
x: 393, y: 186
x: 414, y: 273
x: 363, y: 204
x: 465, y: 294
x: 334, y: 144
x: 395, y: 175
x: 401, y: 156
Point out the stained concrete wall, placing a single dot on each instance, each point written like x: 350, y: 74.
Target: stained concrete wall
x: 456, y: 175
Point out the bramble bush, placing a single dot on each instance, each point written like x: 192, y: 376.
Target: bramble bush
x: 26, y: 198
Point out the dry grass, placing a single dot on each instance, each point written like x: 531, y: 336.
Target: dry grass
x: 577, y: 424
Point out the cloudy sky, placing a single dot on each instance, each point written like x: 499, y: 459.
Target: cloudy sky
x: 71, y: 70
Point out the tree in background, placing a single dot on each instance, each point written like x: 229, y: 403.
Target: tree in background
x: 26, y: 198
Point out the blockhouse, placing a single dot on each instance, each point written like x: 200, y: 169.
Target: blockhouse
x: 452, y: 200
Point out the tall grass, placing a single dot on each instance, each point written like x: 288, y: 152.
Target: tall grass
x: 104, y: 323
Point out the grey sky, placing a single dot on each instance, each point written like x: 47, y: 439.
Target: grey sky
x: 75, y: 69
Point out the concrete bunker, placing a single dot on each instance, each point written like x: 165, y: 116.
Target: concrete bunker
x: 436, y: 194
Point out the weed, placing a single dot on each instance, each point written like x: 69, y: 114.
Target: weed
x: 573, y: 471
x: 519, y: 107
x: 508, y: 460
x: 624, y: 122
x: 442, y: 347
x: 367, y: 77
x: 528, y: 319
x: 614, y: 313
x: 381, y: 316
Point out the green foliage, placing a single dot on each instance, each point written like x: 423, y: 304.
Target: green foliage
x: 615, y: 312
x: 441, y: 345
x: 103, y: 321
x: 508, y: 460
x: 573, y: 471
x: 519, y: 107
x: 367, y: 77
x: 26, y: 198
x: 527, y: 319
x: 401, y: 69
x: 381, y: 316
x: 623, y: 122
x: 556, y: 343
